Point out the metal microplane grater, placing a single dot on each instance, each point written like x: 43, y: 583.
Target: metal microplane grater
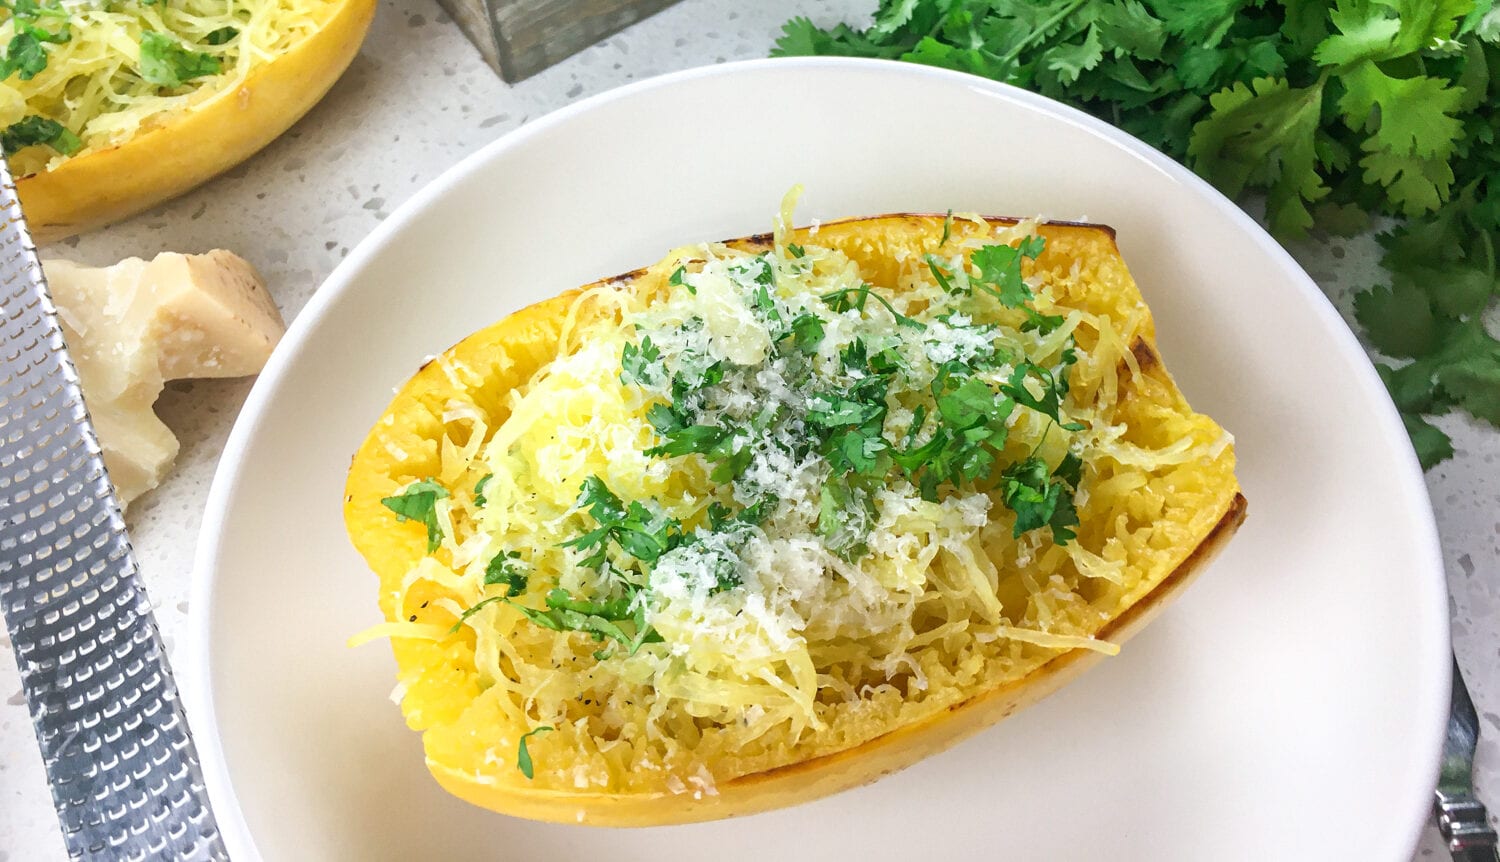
x: 124, y: 774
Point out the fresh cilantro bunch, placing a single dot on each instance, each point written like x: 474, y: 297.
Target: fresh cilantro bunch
x: 1335, y: 110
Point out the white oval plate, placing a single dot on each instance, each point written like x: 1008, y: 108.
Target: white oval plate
x: 1288, y: 707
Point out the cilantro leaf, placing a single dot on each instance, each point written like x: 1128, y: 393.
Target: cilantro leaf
x: 601, y: 502
x: 166, y: 63
x: 1000, y: 269
x: 523, y: 755
x: 1202, y: 23
x: 479, y: 498
x: 970, y: 404
x: 26, y: 52
x: 418, y: 502
x: 1054, y: 386
x: 1412, y: 387
x: 506, y: 568
x: 1399, y: 319
x: 1415, y: 116
x: 598, y: 619
x: 641, y: 364
x: 1432, y: 445
x: 1468, y: 371
x: 893, y: 15
x: 846, y: 513
x: 1415, y: 185
x: 33, y: 130
x: 1361, y: 36
x: 840, y: 301
x: 1264, y: 138
x: 1042, y: 498
x: 639, y: 531
x: 1127, y: 28
x: 1069, y: 60
x: 25, y: 55
x: 221, y: 36
x: 807, y: 332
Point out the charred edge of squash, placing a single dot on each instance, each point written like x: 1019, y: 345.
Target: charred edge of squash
x: 1146, y: 356
x: 1005, y: 220
x: 622, y: 280
x: 1147, y: 364
x: 765, y: 240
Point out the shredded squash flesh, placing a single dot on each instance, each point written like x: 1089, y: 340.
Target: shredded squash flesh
x: 93, y: 84
x: 807, y: 651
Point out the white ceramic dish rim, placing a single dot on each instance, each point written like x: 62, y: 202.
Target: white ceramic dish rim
x: 195, y: 671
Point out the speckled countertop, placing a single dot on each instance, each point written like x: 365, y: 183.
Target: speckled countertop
x: 415, y: 101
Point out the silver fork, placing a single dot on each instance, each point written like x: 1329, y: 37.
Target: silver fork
x: 1461, y: 816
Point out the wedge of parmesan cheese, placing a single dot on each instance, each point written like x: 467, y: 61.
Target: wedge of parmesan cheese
x: 135, y: 325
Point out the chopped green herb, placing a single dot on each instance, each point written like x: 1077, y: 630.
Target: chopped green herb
x: 639, y: 531
x: 600, y: 620
x: 567, y: 613
x: 1041, y: 498
x: 679, y: 279
x: 807, y: 332
x: 941, y: 274
x: 34, y: 130
x: 479, y: 498
x: 1000, y: 270
x: 839, y: 301
x: 721, y: 517
x: 796, y: 250
x: 166, y: 63
x: 947, y: 228
x: 26, y: 53
x: 221, y: 36
x: 970, y: 432
x: 523, y: 756
x: 766, y: 303
x: 1044, y: 324
x: 418, y: 502
x: 506, y: 568
x: 845, y: 515
x: 758, y: 268
x: 641, y: 365
x: 1054, y: 386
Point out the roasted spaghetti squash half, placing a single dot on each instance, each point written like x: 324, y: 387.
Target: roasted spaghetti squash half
x: 778, y: 516
x: 107, y: 109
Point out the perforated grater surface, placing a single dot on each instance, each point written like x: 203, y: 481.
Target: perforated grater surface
x: 124, y: 774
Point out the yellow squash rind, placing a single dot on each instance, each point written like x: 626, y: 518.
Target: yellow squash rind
x: 439, y: 676
x: 182, y: 151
